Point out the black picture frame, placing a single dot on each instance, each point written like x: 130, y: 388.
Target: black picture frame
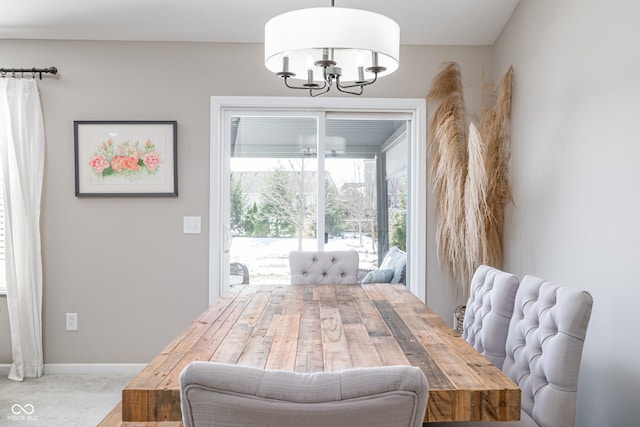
x: 130, y: 158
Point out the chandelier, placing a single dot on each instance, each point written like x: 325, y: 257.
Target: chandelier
x: 329, y: 46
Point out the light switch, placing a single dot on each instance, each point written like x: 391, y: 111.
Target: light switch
x: 192, y: 224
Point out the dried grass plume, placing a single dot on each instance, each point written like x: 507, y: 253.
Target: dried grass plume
x: 469, y: 173
x: 447, y: 144
x: 494, y: 128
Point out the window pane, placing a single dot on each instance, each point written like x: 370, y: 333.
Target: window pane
x: 350, y: 212
x: 273, y: 180
x: 372, y: 148
x: 397, y: 207
x: 396, y: 181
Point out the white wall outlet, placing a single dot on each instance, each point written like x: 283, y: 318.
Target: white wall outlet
x: 192, y: 224
x: 72, y: 321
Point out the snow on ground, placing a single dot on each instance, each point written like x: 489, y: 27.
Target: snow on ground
x: 268, y: 258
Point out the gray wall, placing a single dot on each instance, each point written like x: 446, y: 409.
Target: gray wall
x: 123, y: 264
x: 575, y: 175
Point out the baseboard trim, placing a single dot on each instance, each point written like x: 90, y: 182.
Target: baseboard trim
x: 85, y: 368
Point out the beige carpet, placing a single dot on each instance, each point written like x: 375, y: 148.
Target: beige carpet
x: 60, y: 400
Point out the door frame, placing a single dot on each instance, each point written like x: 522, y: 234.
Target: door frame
x: 417, y: 173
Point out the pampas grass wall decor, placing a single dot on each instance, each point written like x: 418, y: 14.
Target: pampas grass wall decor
x: 469, y: 173
x: 494, y: 128
x: 475, y: 204
x: 448, y: 145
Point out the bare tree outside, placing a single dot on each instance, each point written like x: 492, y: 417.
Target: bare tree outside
x: 359, y: 201
x: 287, y: 202
x: 304, y: 191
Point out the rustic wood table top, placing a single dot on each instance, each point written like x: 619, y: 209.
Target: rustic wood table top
x: 311, y: 328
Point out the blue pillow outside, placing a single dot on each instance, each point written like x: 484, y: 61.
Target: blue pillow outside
x: 378, y: 276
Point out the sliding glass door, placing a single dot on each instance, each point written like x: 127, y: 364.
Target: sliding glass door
x: 306, y: 179
x: 304, y: 183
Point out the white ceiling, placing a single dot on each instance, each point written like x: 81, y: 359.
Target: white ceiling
x: 422, y: 22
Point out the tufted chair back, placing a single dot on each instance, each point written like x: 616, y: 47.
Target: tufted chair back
x: 221, y: 395
x: 335, y: 267
x: 544, y: 349
x: 488, y: 313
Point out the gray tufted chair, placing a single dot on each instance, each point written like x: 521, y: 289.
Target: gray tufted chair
x: 222, y: 395
x: 488, y: 313
x: 334, y: 267
x: 544, y: 350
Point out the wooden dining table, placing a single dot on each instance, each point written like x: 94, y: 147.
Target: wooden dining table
x: 312, y: 328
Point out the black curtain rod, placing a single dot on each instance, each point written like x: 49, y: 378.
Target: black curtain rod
x: 33, y: 71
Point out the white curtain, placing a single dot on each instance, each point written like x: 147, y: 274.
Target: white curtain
x: 22, y: 166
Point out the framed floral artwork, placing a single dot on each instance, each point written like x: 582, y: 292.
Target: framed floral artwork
x: 126, y: 158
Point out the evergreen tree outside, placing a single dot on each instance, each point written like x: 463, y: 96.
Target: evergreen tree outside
x: 398, y: 213
x: 277, y: 204
x: 250, y: 221
x: 238, y: 207
x: 334, y: 209
x: 399, y: 223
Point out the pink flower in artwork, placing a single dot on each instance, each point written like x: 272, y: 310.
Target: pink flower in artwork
x: 99, y: 163
x: 117, y: 163
x: 125, y: 159
x: 152, y: 160
x: 131, y: 162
